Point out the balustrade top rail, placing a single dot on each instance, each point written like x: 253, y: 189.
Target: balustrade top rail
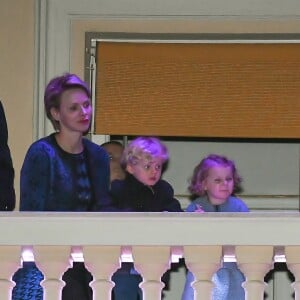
x: 173, y: 229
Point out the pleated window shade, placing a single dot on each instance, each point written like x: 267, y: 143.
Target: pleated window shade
x: 198, y: 89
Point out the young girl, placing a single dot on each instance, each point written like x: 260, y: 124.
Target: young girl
x: 213, y: 184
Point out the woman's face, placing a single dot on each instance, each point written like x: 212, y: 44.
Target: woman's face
x: 75, y: 111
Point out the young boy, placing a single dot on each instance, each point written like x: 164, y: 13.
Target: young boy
x: 142, y: 190
x: 115, y: 150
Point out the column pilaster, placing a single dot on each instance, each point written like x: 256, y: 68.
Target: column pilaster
x: 254, y: 262
x: 102, y: 262
x: 203, y: 262
x: 52, y: 261
x: 151, y: 262
x: 9, y: 263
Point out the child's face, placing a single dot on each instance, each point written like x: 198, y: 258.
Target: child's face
x: 219, y: 184
x: 146, y: 171
x: 115, y: 153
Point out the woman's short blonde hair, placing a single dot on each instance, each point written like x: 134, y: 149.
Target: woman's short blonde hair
x: 56, y: 87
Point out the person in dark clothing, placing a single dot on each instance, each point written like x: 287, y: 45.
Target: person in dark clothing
x: 66, y: 172
x: 115, y: 150
x: 142, y: 190
x: 7, y: 191
x: 132, y: 195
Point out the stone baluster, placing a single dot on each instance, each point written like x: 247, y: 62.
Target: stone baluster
x: 52, y: 261
x: 151, y: 262
x: 9, y: 263
x: 102, y: 262
x: 203, y: 262
x: 254, y: 262
x: 292, y: 255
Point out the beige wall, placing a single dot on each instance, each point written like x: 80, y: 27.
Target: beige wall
x: 17, y: 75
x: 65, y: 22
x: 62, y: 27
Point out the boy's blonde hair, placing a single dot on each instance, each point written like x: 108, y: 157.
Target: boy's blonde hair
x: 144, y: 148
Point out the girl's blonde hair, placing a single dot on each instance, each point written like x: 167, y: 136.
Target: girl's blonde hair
x: 201, y: 172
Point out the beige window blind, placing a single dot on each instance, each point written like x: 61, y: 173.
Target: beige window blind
x: 198, y: 89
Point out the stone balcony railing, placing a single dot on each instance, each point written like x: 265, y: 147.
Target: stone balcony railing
x: 152, y: 240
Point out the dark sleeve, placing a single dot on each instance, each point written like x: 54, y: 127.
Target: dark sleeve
x: 170, y: 203
x: 100, y: 175
x: 118, y: 195
x: 35, y: 179
x: 7, y: 191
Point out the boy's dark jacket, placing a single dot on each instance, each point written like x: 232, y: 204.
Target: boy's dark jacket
x: 132, y: 195
x: 7, y: 192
